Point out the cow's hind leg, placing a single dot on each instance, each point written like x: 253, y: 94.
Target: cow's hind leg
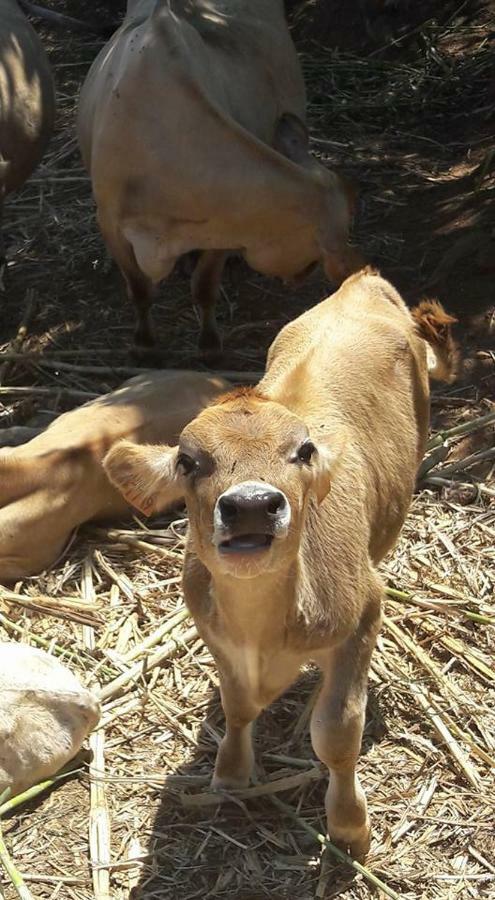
x: 140, y: 293
x: 139, y: 287
x: 336, y: 730
x: 205, y: 285
x: 235, y: 758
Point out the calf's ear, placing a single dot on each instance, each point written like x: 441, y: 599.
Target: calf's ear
x: 326, y: 461
x: 145, y: 475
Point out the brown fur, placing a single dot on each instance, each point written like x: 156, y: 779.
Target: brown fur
x: 434, y: 325
x: 225, y: 168
x: 351, y: 376
x: 27, y: 98
x: 53, y: 483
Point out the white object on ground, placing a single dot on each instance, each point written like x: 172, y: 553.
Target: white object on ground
x: 45, y: 715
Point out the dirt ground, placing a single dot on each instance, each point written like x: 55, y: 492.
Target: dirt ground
x: 404, y: 102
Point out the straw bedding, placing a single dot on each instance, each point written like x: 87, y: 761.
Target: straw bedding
x: 135, y: 817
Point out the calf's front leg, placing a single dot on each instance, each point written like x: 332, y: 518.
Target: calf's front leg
x: 235, y: 758
x: 336, y: 730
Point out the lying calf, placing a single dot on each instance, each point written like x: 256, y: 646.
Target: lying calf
x: 55, y: 482
x: 295, y: 490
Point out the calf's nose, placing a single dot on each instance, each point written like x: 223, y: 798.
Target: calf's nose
x: 253, y: 503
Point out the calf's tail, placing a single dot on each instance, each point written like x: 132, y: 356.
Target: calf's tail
x: 434, y: 325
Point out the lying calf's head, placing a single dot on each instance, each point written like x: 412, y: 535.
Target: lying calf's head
x: 247, y: 468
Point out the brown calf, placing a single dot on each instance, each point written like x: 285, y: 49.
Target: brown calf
x: 55, y: 482
x: 295, y: 491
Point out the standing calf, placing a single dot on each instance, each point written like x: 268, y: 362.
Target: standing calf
x: 295, y: 491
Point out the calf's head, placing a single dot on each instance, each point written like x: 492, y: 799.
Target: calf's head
x: 247, y: 468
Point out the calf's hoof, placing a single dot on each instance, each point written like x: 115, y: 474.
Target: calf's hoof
x: 355, y: 841
x: 229, y: 782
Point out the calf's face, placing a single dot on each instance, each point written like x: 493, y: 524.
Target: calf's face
x: 247, y: 468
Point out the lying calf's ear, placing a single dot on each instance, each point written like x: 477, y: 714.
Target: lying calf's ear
x: 326, y: 461
x: 145, y: 475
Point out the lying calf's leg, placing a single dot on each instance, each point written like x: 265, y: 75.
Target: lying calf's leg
x: 336, y: 730
x: 235, y: 758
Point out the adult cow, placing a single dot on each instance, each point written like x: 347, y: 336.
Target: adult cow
x: 296, y: 490
x: 191, y: 124
x: 27, y: 100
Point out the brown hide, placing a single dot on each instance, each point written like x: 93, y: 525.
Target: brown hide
x: 295, y: 491
x: 223, y: 166
x: 55, y: 482
x: 27, y: 98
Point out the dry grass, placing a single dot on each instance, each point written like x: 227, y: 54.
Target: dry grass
x: 139, y: 820
x: 142, y: 815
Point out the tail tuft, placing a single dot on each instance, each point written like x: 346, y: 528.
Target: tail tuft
x: 434, y: 325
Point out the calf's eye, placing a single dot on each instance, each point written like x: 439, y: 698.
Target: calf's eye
x: 306, y: 451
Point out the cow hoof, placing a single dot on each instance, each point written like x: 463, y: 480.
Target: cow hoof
x: 148, y: 357
x: 211, y: 348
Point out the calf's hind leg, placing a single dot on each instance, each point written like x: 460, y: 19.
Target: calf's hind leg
x: 205, y: 286
x: 336, y: 730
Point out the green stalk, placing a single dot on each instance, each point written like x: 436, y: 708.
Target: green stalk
x: 10, y: 870
x: 465, y: 428
x: 477, y: 617
x: 473, y: 616
x: 339, y: 854
x: 70, y: 655
x: 35, y: 790
x: 398, y: 595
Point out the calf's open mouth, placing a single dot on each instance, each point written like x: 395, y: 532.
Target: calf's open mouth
x: 246, y: 543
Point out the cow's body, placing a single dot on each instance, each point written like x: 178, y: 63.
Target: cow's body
x: 55, y: 482
x: 295, y: 492
x: 27, y: 98
x: 178, y: 121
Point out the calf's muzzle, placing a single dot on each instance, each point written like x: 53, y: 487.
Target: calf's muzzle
x: 248, y: 516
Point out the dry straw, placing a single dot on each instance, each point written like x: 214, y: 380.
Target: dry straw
x: 112, y: 608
